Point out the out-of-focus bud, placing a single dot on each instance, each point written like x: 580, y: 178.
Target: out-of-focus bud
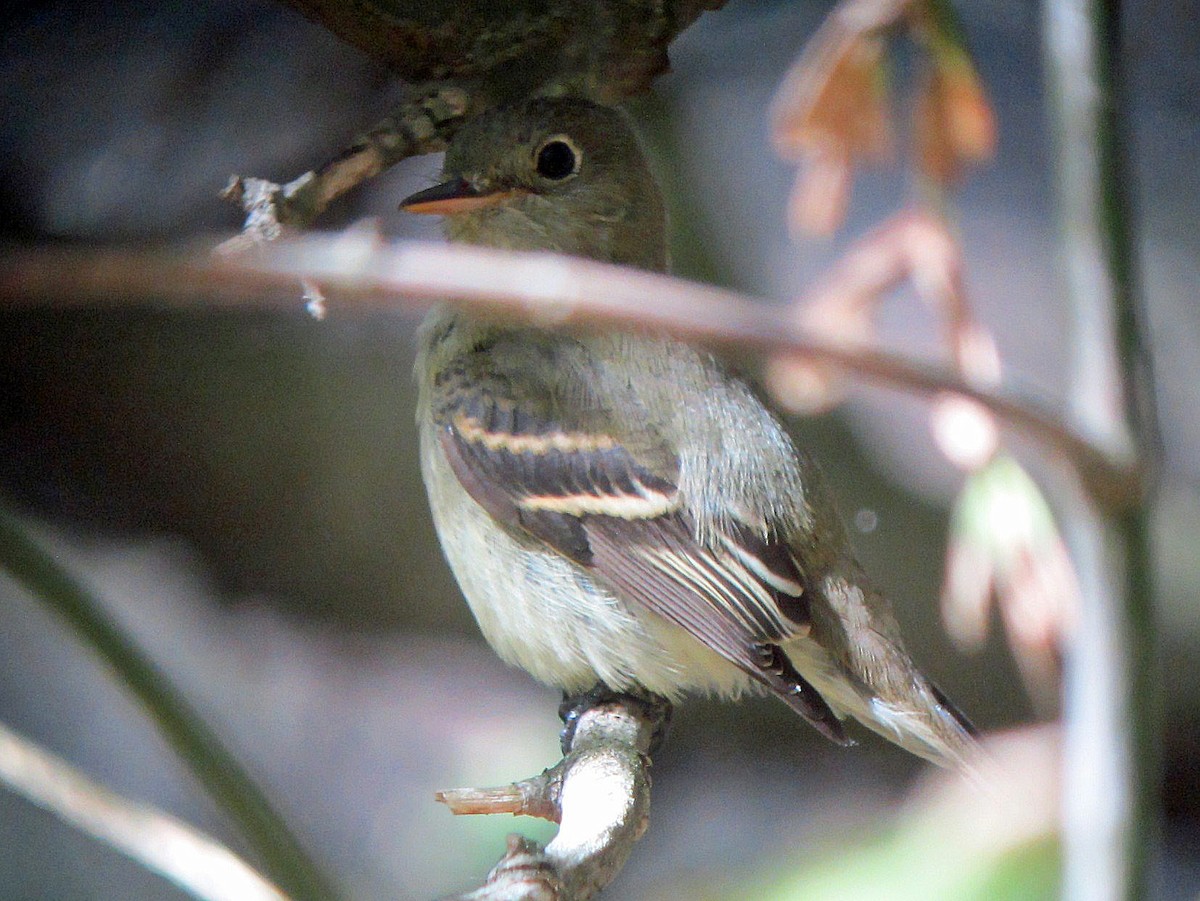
x: 1004, y: 543
x: 965, y: 431
x: 807, y: 386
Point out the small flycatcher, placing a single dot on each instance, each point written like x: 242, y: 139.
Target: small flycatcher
x: 617, y: 507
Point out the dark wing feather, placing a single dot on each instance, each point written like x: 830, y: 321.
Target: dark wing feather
x: 950, y: 709
x: 584, y: 493
x: 653, y: 565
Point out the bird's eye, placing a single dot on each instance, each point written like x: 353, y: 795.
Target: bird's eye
x: 557, y: 158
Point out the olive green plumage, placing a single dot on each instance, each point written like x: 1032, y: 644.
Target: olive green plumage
x: 618, y: 507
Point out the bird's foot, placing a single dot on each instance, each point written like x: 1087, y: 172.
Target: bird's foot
x: 655, y: 707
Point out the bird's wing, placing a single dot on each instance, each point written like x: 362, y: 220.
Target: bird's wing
x: 604, y: 493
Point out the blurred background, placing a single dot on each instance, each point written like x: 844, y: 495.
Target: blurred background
x: 243, y: 489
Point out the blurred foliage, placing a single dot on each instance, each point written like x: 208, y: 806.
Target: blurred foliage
x: 917, y: 863
x: 36, y: 567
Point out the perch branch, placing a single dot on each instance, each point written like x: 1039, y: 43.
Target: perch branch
x: 599, y: 793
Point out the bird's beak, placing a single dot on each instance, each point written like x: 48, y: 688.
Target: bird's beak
x: 456, y: 196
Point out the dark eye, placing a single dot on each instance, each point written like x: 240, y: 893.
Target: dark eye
x: 557, y: 159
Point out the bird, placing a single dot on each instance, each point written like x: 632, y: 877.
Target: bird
x: 618, y: 508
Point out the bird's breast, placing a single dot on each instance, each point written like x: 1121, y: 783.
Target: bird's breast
x: 547, y: 615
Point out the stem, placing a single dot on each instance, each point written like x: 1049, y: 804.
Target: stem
x: 35, y: 568
x: 368, y: 275
x: 201, y: 866
x: 1111, y: 700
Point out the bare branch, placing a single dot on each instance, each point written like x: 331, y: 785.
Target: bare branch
x: 600, y: 796
x: 546, y: 288
x: 201, y: 866
x: 423, y: 123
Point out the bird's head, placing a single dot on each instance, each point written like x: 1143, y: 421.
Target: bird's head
x: 563, y: 175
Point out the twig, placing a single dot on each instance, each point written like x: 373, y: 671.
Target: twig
x: 198, y: 864
x: 33, y: 566
x: 550, y: 289
x: 536, y: 796
x: 600, y: 796
x: 423, y: 123
x: 459, y: 65
x: 1111, y: 700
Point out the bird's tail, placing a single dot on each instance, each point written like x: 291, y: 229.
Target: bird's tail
x: 926, y: 723
x: 905, y: 708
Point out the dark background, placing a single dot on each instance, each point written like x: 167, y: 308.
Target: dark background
x: 243, y: 488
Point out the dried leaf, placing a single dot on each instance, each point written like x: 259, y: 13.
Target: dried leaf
x: 954, y: 126
x: 817, y: 205
x: 832, y: 110
x: 835, y: 97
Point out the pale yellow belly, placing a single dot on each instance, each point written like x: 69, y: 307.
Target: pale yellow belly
x: 546, y: 615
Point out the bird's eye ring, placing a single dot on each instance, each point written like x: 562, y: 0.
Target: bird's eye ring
x: 557, y: 158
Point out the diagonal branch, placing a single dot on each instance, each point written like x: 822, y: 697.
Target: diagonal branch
x: 35, y: 567
x: 546, y: 288
x: 198, y: 864
x: 422, y: 123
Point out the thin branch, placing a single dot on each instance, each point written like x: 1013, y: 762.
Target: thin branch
x: 422, y: 123
x: 198, y: 864
x: 458, y: 65
x: 545, y: 288
x: 36, y: 568
x: 1111, y: 694
x: 600, y: 796
x: 536, y: 796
